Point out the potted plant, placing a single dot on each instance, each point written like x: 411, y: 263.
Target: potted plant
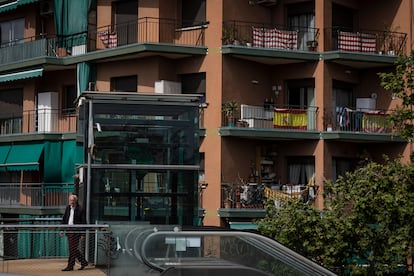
x: 246, y: 40
x: 391, y: 41
x: 229, y: 110
x: 229, y: 35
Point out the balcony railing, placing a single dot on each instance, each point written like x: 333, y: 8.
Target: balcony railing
x: 144, y: 30
x: 38, y: 121
x: 148, y: 30
x: 37, y: 247
x: 280, y: 117
x: 358, y: 120
x: 34, y: 194
x: 365, y: 41
x: 270, y: 36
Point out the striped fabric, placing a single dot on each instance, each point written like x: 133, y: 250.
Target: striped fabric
x: 357, y: 42
x: 274, y: 38
x: 109, y: 40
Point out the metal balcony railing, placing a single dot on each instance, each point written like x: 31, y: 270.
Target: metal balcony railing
x: 274, y: 117
x: 144, y: 30
x: 27, y: 48
x: 148, y: 30
x: 265, y: 35
x: 34, y: 194
x: 358, y: 120
x: 38, y: 121
x: 365, y: 41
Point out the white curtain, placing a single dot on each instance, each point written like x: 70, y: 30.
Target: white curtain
x: 294, y: 173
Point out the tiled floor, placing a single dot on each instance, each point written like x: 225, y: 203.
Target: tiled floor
x: 45, y: 267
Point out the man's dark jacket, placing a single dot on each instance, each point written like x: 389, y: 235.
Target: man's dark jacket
x: 78, y: 216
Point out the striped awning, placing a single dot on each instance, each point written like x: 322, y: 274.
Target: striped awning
x: 9, y: 5
x: 33, y: 73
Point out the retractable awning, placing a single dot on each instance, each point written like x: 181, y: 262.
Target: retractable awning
x: 11, y: 5
x: 4, y: 151
x: 24, y: 157
x: 38, y: 72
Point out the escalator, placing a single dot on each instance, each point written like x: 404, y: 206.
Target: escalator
x: 176, y: 252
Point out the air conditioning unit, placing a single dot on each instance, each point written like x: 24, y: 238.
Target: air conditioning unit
x: 266, y: 2
x: 46, y: 7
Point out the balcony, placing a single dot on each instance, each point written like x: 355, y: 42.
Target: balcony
x: 356, y: 120
x: 144, y: 30
x: 365, y: 41
x: 263, y: 35
x: 271, y: 117
x: 34, y: 194
x: 38, y: 121
x: 304, y: 119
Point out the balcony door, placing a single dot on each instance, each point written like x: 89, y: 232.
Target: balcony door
x: 341, y: 101
x: 125, y: 21
x: 301, y: 18
x: 301, y: 95
x: 11, y: 116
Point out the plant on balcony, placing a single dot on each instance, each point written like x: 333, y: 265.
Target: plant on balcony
x: 229, y: 109
x: 229, y: 35
x: 246, y: 40
x: 390, y: 40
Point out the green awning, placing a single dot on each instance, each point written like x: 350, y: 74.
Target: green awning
x: 68, y: 161
x: 4, y: 151
x: 11, y: 5
x: 52, y: 161
x: 22, y: 75
x: 24, y: 157
x: 242, y: 225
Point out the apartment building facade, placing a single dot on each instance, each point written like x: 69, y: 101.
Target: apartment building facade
x: 297, y: 79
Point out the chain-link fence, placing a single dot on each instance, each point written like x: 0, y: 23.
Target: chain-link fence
x: 43, y: 249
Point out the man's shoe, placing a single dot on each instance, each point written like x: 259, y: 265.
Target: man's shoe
x: 67, y: 269
x: 83, y: 266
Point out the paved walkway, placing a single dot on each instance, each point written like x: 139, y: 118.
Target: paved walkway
x: 46, y: 267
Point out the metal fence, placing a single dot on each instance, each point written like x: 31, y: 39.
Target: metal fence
x: 38, y: 121
x: 34, y: 194
x: 42, y: 249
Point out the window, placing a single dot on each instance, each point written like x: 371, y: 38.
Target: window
x: 69, y: 97
x: 125, y: 20
x: 194, y: 84
x: 12, y: 32
x: 301, y: 18
x: 193, y: 12
x: 124, y: 84
x: 300, y: 170
x: 341, y: 101
x: 301, y: 93
x: 340, y: 166
x: 11, y: 115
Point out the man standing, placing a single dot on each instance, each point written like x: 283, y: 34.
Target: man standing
x: 74, y: 214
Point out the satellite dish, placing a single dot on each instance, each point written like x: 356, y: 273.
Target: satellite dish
x: 374, y: 96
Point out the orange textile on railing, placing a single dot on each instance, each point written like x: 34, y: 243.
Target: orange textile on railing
x: 290, y: 118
